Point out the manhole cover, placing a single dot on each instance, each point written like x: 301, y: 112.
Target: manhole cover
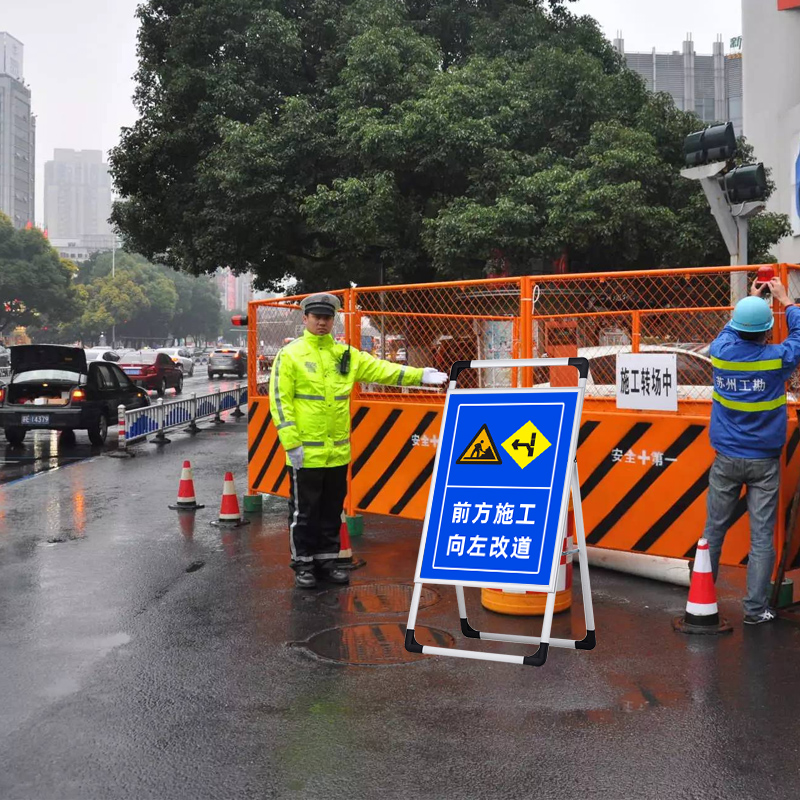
x: 379, y: 598
x: 381, y: 643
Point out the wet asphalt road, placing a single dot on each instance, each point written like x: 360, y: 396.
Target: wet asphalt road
x: 43, y: 451
x: 147, y: 655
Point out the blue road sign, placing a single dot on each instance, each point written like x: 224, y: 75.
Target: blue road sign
x: 500, y: 489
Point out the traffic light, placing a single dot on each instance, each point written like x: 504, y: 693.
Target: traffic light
x: 240, y: 320
x: 717, y: 143
x: 746, y: 183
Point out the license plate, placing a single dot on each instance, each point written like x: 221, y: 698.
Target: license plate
x: 35, y: 419
x: 131, y: 371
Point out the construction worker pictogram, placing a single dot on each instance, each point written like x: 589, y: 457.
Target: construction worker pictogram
x: 481, y: 449
x: 526, y: 444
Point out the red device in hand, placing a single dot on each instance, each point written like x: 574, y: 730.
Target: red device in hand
x: 764, y: 276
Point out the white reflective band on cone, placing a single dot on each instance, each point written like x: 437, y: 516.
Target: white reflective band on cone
x: 701, y: 609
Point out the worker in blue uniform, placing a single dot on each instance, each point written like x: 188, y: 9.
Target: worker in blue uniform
x: 748, y: 432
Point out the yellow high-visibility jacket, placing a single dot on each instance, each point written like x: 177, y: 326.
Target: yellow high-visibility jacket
x: 309, y: 398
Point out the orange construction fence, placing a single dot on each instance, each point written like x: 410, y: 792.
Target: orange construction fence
x: 644, y: 474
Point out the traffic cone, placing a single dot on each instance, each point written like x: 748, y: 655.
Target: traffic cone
x: 702, y: 613
x: 186, y: 498
x: 345, y: 559
x: 229, y: 513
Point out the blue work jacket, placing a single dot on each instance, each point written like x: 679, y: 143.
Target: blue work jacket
x: 748, y: 412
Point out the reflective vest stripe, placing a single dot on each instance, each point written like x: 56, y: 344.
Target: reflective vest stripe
x: 761, y: 405
x: 748, y: 366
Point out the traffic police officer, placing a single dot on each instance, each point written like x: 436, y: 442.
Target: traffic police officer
x: 309, y: 393
x: 748, y: 431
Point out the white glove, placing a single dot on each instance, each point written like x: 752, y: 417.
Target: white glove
x: 296, y: 457
x: 432, y: 377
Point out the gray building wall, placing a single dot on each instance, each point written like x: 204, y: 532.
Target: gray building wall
x: 709, y: 85
x: 77, y: 195
x: 771, y: 58
x: 17, y: 138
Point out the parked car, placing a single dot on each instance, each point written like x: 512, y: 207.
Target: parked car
x: 103, y: 353
x: 182, y: 357
x: 53, y: 387
x: 152, y: 370
x: 227, y: 360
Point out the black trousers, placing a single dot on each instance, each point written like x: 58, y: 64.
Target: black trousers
x: 316, y: 499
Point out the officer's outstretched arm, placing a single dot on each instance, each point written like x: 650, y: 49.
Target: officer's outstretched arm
x: 374, y: 370
x: 281, y: 402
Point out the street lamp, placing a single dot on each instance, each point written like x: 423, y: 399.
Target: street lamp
x: 735, y: 194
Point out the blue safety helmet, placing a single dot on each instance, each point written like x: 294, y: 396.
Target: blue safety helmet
x: 752, y: 315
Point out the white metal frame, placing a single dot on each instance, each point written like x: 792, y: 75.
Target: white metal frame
x: 572, y: 485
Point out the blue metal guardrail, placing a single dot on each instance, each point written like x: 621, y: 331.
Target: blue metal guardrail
x: 140, y: 423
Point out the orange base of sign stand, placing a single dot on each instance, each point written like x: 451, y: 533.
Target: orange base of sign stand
x: 529, y: 604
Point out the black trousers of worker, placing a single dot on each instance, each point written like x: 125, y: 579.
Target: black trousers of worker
x: 316, y: 499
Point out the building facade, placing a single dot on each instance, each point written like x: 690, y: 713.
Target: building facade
x: 709, y: 85
x: 77, y: 195
x: 17, y: 136
x: 771, y: 77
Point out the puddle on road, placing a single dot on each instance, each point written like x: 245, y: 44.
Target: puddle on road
x: 382, y: 598
x: 378, y: 644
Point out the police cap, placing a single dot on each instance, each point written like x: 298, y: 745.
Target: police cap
x: 321, y: 304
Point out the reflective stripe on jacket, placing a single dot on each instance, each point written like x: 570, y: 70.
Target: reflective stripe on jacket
x: 748, y: 413
x: 309, y: 398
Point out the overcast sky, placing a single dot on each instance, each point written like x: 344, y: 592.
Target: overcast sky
x: 80, y: 56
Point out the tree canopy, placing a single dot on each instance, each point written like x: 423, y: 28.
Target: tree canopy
x: 344, y: 140
x: 144, y: 301
x: 35, y: 283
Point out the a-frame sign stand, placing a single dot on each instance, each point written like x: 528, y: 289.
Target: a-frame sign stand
x: 454, y: 516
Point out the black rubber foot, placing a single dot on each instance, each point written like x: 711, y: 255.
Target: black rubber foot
x: 120, y: 454
x: 539, y: 657
x: 587, y: 643
x: 469, y: 631
x: 412, y: 645
x: 681, y: 625
x: 185, y: 507
x: 162, y: 440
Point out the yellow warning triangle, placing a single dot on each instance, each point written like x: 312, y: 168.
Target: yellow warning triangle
x: 481, y: 449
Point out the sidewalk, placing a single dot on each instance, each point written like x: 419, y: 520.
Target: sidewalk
x: 141, y: 659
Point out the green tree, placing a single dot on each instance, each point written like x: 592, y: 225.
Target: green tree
x: 36, y: 286
x: 343, y: 140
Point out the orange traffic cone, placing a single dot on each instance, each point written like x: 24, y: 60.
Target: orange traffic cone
x: 186, y: 497
x: 345, y: 559
x: 229, y: 513
x: 702, y: 613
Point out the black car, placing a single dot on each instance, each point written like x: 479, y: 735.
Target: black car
x: 53, y: 387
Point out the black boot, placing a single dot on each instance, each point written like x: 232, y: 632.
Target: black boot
x: 335, y: 575
x: 305, y: 579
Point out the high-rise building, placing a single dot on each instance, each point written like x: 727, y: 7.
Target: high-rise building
x: 17, y: 136
x: 235, y: 291
x: 709, y: 85
x: 77, y: 195
x: 770, y: 36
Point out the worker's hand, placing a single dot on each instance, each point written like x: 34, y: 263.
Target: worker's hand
x: 296, y: 457
x: 758, y: 288
x: 432, y: 377
x: 779, y: 292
